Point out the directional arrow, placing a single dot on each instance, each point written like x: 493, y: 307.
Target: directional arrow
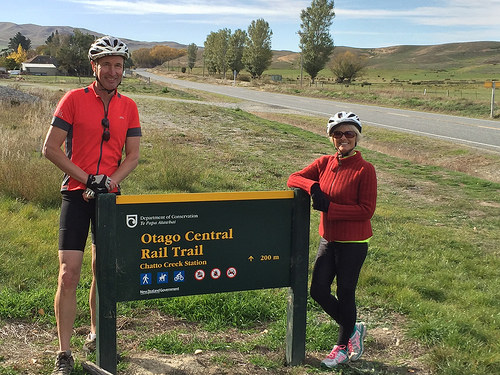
x: 250, y: 258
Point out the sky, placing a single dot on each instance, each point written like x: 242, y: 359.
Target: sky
x: 360, y: 24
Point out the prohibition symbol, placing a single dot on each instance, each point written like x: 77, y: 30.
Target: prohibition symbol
x: 199, y: 275
x: 231, y: 272
x: 215, y: 273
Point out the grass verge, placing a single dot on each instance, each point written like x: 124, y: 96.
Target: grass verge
x: 434, y: 258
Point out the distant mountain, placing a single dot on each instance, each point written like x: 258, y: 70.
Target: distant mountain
x: 39, y: 34
x: 472, y: 55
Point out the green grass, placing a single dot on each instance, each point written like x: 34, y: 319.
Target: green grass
x: 8, y: 370
x: 468, y: 100
x: 434, y: 257
x: 181, y: 343
x: 454, y: 86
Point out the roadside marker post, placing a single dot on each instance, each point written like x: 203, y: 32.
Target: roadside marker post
x: 491, y: 84
x: 160, y: 246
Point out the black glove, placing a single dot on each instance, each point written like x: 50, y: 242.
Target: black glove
x: 98, y: 183
x: 320, y: 199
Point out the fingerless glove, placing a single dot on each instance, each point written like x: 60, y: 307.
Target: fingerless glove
x: 98, y: 183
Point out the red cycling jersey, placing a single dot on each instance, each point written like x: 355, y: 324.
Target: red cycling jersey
x: 80, y: 113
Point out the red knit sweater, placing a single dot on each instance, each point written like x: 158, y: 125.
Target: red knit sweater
x: 351, y: 184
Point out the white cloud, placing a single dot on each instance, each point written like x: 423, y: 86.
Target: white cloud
x: 256, y: 8
x: 450, y: 13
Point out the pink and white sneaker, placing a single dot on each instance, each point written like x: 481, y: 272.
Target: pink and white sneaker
x: 355, y: 344
x: 337, y: 356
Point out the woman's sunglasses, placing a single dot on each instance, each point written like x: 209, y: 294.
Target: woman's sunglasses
x: 338, y: 134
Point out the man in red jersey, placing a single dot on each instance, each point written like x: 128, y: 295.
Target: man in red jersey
x: 95, y: 124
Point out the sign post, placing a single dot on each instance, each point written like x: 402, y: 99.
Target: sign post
x: 160, y: 246
x: 491, y: 84
x: 105, y: 274
x: 492, y: 113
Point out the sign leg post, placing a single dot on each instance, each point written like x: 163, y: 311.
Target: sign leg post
x: 297, y: 296
x: 106, y: 285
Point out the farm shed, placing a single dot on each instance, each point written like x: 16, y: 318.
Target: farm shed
x: 39, y: 69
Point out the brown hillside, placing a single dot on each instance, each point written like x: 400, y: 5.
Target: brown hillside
x: 443, y: 56
x: 39, y: 34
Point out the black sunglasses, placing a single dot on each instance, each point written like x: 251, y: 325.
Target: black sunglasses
x: 337, y: 134
x: 105, y: 133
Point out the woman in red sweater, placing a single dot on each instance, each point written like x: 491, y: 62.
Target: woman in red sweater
x: 343, y: 187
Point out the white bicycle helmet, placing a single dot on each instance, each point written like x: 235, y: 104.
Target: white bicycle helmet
x: 108, y: 46
x: 343, y: 118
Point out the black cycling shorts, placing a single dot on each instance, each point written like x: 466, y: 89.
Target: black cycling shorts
x: 76, y: 217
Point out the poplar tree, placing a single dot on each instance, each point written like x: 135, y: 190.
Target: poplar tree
x: 235, y: 51
x: 316, y: 42
x: 215, y: 55
x: 192, y: 50
x: 257, y: 55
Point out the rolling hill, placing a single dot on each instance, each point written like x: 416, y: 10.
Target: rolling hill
x: 470, y: 55
x: 434, y: 57
x: 39, y: 34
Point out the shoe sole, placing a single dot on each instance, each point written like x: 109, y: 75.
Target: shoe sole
x: 324, y: 365
x: 362, y: 335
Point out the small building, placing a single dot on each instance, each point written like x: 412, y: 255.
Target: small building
x: 42, y: 59
x: 39, y: 69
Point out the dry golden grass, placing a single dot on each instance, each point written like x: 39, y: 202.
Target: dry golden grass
x: 24, y: 173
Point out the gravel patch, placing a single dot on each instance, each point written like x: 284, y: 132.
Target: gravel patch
x: 16, y: 96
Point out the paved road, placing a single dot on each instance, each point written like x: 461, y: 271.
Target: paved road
x: 482, y: 134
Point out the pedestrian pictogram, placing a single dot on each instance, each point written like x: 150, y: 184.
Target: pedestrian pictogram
x: 146, y: 279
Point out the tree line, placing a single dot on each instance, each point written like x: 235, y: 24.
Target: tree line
x: 224, y: 51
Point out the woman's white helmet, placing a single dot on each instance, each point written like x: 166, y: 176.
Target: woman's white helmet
x: 108, y: 46
x: 343, y: 118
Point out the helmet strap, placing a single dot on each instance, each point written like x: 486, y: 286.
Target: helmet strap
x: 103, y: 88
x: 341, y: 155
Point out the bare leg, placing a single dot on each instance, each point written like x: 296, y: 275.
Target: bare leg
x: 92, y: 296
x: 70, y: 264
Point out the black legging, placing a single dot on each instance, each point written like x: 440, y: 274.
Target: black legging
x: 343, y: 261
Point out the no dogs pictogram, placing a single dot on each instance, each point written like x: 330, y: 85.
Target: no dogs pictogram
x: 231, y: 272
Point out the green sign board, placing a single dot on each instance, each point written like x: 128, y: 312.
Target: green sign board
x: 158, y: 246
x: 180, y: 247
